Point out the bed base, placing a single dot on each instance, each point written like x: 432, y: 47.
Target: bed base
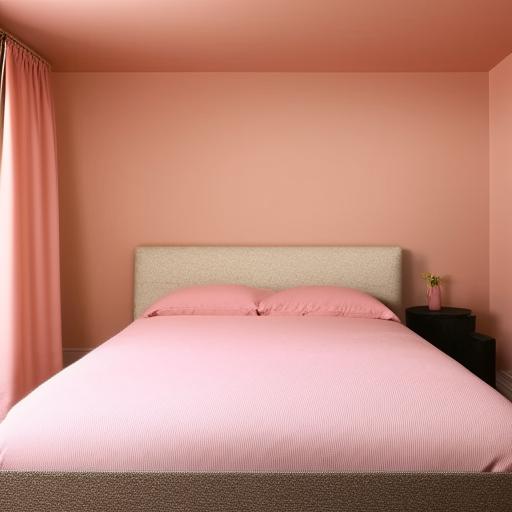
x: 237, y: 492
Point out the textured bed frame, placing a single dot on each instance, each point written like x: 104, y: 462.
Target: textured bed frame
x: 158, y: 270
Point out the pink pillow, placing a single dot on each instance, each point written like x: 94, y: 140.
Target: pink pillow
x: 325, y: 301
x: 209, y: 300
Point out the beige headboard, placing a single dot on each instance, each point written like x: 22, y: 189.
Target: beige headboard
x: 375, y: 270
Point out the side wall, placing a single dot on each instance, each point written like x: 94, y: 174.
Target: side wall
x: 500, y: 136
x: 269, y: 158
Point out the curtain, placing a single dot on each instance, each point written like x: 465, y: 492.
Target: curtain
x: 30, y: 332
x: 2, y: 81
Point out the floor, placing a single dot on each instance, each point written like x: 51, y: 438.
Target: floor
x: 504, y: 383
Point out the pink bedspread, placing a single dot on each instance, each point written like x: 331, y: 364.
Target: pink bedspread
x: 261, y: 394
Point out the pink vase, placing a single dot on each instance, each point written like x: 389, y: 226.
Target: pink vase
x: 434, y: 298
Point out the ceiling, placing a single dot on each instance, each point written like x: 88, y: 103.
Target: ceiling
x: 264, y: 35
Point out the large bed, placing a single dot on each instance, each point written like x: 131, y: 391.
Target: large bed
x: 261, y: 413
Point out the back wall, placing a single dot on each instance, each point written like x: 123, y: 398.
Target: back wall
x: 269, y: 158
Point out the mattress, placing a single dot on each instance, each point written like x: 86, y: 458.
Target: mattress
x: 261, y: 394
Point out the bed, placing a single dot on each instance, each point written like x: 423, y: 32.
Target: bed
x: 260, y: 413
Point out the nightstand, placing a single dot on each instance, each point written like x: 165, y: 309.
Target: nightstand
x: 452, y: 330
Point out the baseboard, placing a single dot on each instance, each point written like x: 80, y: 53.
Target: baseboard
x: 70, y: 355
x: 504, y: 383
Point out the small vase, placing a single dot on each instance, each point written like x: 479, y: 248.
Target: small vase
x: 434, y: 298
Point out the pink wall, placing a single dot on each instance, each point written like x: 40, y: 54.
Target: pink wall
x: 268, y: 158
x: 500, y: 129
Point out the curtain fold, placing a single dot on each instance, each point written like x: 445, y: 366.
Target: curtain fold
x: 30, y: 329
x: 2, y: 88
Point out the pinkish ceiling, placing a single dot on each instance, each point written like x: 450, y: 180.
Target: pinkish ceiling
x: 264, y: 35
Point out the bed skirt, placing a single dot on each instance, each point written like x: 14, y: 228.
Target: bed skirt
x: 237, y: 492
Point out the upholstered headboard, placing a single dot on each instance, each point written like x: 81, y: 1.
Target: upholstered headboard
x: 375, y: 270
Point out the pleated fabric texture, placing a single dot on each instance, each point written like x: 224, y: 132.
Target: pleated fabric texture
x: 30, y: 331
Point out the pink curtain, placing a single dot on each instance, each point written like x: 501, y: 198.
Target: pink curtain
x: 30, y: 332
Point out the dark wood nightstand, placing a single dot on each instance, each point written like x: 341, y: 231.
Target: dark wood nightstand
x: 452, y: 330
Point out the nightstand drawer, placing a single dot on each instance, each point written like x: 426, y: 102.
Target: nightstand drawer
x: 478, y: 354
x: 452, y: 330
x: 445, y: 333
